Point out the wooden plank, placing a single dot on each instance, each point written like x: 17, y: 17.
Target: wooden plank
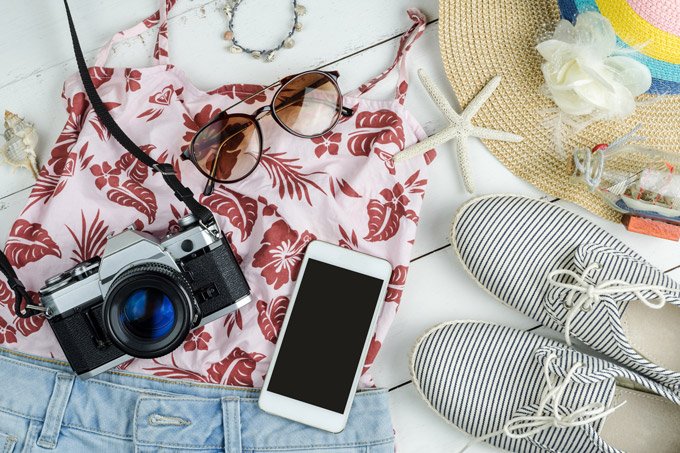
x: 438, y: 289
x: 421, y: 430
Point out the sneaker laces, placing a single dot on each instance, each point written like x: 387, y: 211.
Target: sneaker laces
x: 583, y: 296
x: 524, y: 426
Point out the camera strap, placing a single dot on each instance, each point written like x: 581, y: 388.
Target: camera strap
x: 183, y: 193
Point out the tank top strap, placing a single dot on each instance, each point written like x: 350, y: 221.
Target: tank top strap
x: 405, y: 43
x: 160, y: 54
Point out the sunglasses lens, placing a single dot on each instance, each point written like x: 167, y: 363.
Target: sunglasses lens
x: 228, y: 149
x: 309, y: 104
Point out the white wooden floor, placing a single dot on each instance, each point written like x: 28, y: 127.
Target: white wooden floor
x: 357, y: 37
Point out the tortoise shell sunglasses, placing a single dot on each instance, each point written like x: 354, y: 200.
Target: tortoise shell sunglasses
x: 229, y: 147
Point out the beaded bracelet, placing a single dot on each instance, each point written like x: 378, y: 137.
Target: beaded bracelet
x: 269, y: 54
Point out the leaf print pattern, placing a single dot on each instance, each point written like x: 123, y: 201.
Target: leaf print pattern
x: 270, y: 317
x: 344, y: 187
x: 135, y: 196
x: 28, y: 242
x: 287, y: 176
x: 281, y: 253
x: 91, y: 240
x: 24, y: 326
x: 236, y: 369
x: 396, y: 284
x: 232, y: 320
x: 46, y: 187
x: 160, y: 51
x: 242, y: 92
x: 239, y: 209
x: 133, y: 167
x: 174, y: 371
x: 77, y: 110
x: 100, y: 75
x: 129, y: 193
x: 347, y: 241
x: 385, y: 217
x: 27, y: 326
x: 96, y: 122
x: 376, y: 128
x: 8, y: 334
x: 372, y: 353
x: 416, y: 186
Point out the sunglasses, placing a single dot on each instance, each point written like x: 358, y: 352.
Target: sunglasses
x: 229, y: 147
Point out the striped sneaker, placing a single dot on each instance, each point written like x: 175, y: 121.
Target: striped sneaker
x: 570, y: 275
x: 524, y: 393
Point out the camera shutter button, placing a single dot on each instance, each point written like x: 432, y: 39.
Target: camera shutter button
x: 187, y: 245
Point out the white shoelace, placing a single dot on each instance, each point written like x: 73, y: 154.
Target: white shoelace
x: 524, y: 426
x: 587, y: 295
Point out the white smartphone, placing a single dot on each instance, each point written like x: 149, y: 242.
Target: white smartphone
x: 328, y: 328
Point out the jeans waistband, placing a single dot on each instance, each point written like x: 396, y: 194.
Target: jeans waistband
x: 152, y: 410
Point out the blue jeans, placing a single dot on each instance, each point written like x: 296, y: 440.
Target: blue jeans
x: 44, y: 407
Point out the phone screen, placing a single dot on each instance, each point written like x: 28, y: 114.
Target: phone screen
x: 321, y: 348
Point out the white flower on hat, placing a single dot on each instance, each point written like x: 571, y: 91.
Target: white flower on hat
x: 582, y: 75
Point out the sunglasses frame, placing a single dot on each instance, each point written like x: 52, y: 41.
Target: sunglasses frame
x: 255, y: 118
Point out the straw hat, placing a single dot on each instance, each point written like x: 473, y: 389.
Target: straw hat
x: 480, y: 39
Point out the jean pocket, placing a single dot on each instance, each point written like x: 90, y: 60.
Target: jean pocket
x: 7, y: 443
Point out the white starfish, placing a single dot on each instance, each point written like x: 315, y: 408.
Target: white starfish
x: 459, y: 128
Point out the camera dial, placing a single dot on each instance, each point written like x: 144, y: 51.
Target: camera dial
x: 149, y: 310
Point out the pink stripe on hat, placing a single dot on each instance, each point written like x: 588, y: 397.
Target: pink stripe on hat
x: 663, y: 14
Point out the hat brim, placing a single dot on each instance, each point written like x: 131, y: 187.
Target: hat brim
x: 482, y: 39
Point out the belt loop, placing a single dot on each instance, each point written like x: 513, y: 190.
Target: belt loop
x: 54, y: 416
x: 231, y: 415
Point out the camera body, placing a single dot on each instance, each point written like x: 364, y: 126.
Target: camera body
x: 143, y: 296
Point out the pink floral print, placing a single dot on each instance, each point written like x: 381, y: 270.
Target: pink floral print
x: 342, y: 188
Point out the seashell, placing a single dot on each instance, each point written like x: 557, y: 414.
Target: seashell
x: 228, y: 35
x: 22, y: 139
x: 256, y: 55
x: 288, y: 43
x: 270, y: 57
x: 298, y: 26
x: 228, y: 11
x: 300, y: 10
x: 235, y: 49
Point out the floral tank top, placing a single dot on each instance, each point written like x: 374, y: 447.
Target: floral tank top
x: 341, y: 188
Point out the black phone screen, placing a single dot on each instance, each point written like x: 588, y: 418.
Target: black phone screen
x: 321, y: 348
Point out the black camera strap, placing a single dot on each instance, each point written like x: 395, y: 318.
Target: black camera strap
x: 182, y: 192
x: 20, y: 293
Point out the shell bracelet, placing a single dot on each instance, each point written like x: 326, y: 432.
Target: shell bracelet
x: 267, y: 55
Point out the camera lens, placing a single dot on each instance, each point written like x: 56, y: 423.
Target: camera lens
x: 148, y: 310
x: 148, y: 313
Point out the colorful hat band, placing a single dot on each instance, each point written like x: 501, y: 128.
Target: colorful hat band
x: 661, y: 47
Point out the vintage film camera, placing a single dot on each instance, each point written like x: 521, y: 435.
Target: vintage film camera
x: 143, y: 296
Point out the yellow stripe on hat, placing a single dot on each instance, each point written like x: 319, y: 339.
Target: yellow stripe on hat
x: 635, y: 31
